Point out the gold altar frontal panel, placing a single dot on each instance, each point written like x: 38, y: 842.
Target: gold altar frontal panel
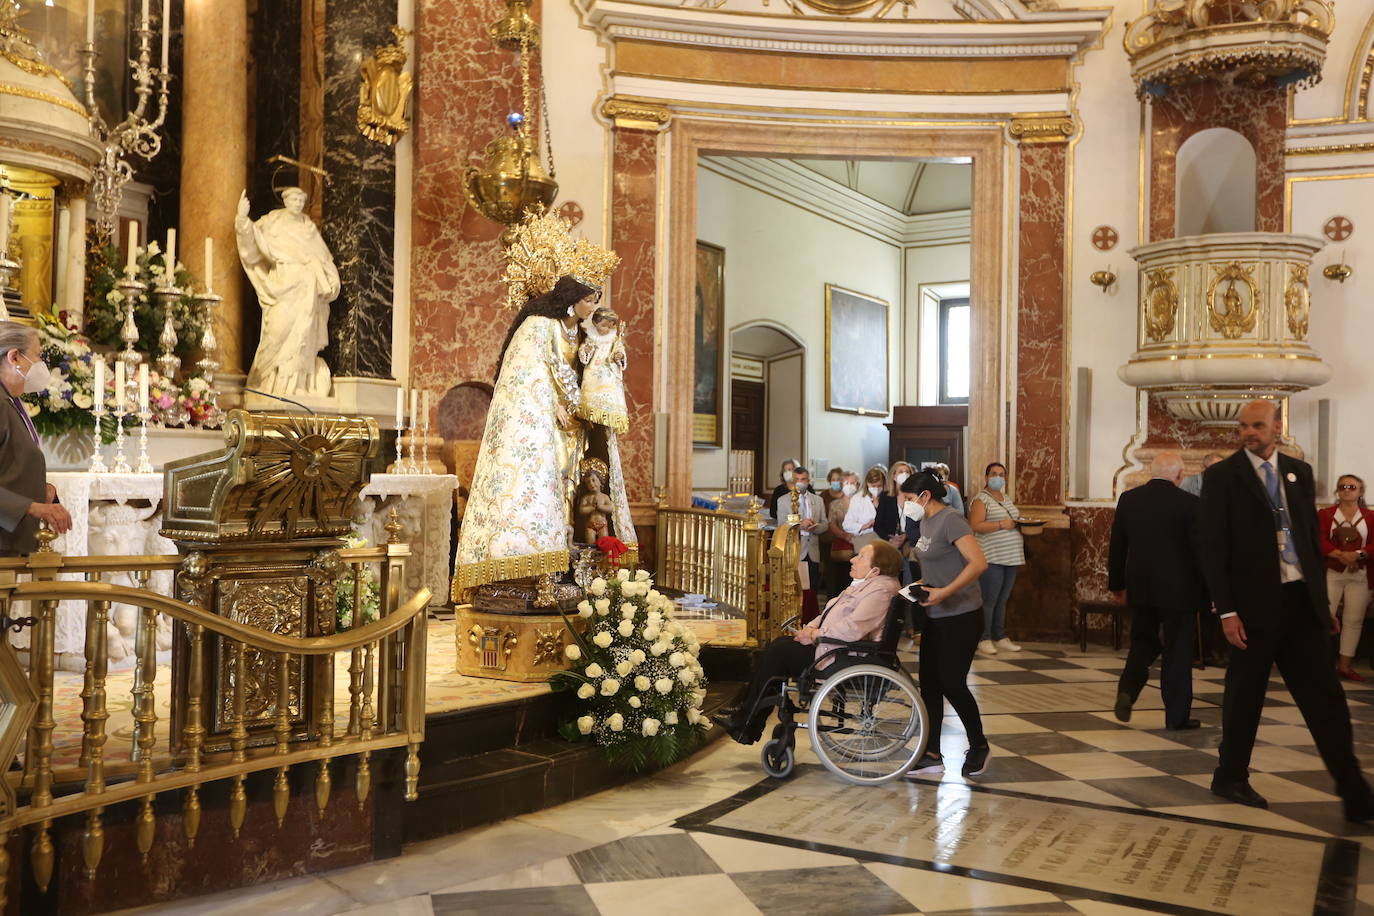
x: 527, y: 648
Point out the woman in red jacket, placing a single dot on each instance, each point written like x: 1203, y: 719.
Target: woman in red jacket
x: 1347, y: 539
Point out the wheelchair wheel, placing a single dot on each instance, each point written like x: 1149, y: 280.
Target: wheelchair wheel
x: 868, y: 724
x: 778, y: 758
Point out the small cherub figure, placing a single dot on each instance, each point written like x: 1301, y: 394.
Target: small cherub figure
x: 603, y: 376
x: 594, y: 507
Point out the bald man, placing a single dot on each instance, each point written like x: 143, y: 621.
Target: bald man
x: 1262, y: 557
x: 1154, y: 566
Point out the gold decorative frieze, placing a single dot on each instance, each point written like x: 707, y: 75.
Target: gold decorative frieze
x: 635, y: 115
x: 1180, y: 41
x: 1161, y: 304
x: 1223, y: 318
x: 1237, y: 312
x: 511, y: 647
x: 1053, y: 129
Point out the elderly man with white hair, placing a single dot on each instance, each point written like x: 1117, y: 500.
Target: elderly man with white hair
x: 1155, y: 566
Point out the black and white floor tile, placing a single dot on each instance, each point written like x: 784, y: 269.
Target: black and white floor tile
x: 652, y: 847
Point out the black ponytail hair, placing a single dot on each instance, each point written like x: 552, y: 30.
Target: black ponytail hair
x: 566, y: 293
x: 924, y: 480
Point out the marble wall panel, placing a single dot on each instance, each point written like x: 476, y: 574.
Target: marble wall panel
x: 1090, y: 532
x: 360, y: 199
x: 1164, y: 430
x: 1039, y: 607
x: 467, y: 87
x: 1260, y: 115
x: 1040, y: 327
x: 634, y: 205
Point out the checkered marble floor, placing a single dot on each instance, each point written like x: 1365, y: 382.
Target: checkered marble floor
x: 1047, y: 713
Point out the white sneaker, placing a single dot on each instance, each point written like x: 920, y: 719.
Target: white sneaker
x: 1006, y: 645
x: 987, y: 648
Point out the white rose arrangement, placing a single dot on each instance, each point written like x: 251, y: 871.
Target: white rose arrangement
x: 635, y: 675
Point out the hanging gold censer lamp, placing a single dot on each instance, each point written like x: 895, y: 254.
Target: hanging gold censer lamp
x: 513, y: 184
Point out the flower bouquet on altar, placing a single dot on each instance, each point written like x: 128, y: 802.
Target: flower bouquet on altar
x: 635, y: 675
x: 105, y: 306
x: 66, y: 403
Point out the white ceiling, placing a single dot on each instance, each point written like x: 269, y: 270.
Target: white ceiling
x: 761, y: 341
x: 909, y: 186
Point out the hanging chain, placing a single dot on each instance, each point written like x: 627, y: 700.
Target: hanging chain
x: 544, y: 116
x: 525, y: 96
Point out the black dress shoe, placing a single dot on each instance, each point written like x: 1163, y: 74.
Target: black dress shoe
x: 1123, y: 707
x: 1239, y: 792
x: 1187, y: 724
x: 1359, y: 810
x: 736, y: 727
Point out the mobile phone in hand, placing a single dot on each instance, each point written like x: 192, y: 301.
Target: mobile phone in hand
x: 914, y: 593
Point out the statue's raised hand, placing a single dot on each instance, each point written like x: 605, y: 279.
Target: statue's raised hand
x: 243, y: 205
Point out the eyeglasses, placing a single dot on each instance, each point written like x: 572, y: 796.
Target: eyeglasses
x: 1348, y: 486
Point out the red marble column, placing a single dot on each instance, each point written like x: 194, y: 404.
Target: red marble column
x: 634, y: 207
x: 467, y: 86
x: 1259, y: 115
x: 1039, y: 442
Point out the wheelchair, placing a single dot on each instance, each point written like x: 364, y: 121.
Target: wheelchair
x: 863, y: 712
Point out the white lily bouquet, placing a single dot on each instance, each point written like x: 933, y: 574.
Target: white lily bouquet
x: 635, y: 673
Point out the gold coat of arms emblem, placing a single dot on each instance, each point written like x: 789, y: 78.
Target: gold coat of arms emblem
x: 385, y: 90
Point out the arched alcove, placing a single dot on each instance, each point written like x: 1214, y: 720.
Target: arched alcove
x: 1215, y: 190
x: 767, y: 413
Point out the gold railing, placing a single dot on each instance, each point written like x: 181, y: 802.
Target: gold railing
x: 258, y: 730
x: 731, y: 559
x: 741, y: 470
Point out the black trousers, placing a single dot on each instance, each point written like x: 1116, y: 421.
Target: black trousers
x: 947, y: 647
x: 1168, y: 632
x: 1299, y: 643
x: 783, y: 657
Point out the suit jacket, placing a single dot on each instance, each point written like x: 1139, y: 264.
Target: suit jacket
x: 1154, y: 552
x: 23, y: 481
x: 811, y: 506
x: 1239, y: 553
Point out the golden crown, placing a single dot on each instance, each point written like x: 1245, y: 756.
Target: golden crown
x: 542, y: 250
x: 594, y: 464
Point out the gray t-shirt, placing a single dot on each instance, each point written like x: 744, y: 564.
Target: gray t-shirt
x: 941, y: 562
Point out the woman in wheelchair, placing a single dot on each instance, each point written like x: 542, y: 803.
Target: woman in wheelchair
x: 951, y: 562
x: 857, y: 613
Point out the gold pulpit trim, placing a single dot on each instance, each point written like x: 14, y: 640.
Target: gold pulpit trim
x: 1297, y: 301
x: 1239, y: 314
x: 1055, y: 129
x: 1161, y: 310
x: 385, y: 90
x: 635, y: 115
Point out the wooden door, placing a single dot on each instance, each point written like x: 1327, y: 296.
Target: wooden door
x: 747, y: 417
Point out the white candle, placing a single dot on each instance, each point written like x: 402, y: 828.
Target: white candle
x: 209, y: 264
x: 400, y: 408
x: 143, y: 14
x: 424, y: 412
x: 119, y: 385
x: 166, y: 31
x: 99, y: 382
x: 143, y: 387
x: 170, y: 261
x: 5, y: 203
x: 90, y: 22
x: 131, y: 266
x: 414, y: 406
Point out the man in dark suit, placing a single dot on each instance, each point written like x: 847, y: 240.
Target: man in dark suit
x: 1154, y: 566
x: 1262, y: 557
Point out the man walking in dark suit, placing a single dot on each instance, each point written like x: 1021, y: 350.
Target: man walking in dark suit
x: 1154, y: 566
x: 1262, y: 558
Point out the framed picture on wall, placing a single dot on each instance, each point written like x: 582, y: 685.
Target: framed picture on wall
x: 709, y: 336
x: 856, y: 352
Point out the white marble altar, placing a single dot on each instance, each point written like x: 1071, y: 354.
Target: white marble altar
x: 120, y: 515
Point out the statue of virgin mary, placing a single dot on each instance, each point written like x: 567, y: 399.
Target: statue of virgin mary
x: 518, y: 520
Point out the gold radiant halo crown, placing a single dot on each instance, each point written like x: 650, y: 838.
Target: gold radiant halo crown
x: 594, y: 464
x: 543, y: 250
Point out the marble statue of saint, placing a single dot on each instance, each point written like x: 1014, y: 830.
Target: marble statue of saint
x: 294, y: 276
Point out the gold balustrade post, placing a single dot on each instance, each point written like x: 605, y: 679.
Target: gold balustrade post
x: 193, y: 734
x: 281, y: 790
x: 238, y: 738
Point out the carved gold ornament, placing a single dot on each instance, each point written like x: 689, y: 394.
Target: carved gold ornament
x: 492, y: 645
x: 1161, y: 304
x: 1055, y: 129
x: 385, y: 90
x: 548, y: 648
x: 1237, y: 313
x: 1297, y: 301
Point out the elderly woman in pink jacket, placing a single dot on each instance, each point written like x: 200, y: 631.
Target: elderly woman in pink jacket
x: 857, y: 613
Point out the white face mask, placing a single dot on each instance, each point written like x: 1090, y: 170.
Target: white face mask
x: 802, y: 487
x: 787, y: 476
x: 875, y: 490
x: 850, y: 489
x: 900, y: 477
x: 913, y: 510
x: 37, y: 377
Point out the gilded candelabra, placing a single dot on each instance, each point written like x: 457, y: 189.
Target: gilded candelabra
x: 131, y: 289
x: 208, y: 365
x: 97, y: 460
x: 121, y: 464
x: 144, y: 466
x: 168, y: 361
x: 137, y: 133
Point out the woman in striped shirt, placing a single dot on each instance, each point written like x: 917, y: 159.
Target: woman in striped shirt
x: 992, y: 516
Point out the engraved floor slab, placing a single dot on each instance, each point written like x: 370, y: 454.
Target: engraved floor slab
x: 1054, y: 697
x: 1175, y: 864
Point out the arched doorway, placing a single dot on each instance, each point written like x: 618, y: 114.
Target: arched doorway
x: 767, y: 412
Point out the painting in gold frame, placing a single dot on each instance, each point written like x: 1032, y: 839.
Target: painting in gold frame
x: 709, y: 349
x: 856, y: 331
